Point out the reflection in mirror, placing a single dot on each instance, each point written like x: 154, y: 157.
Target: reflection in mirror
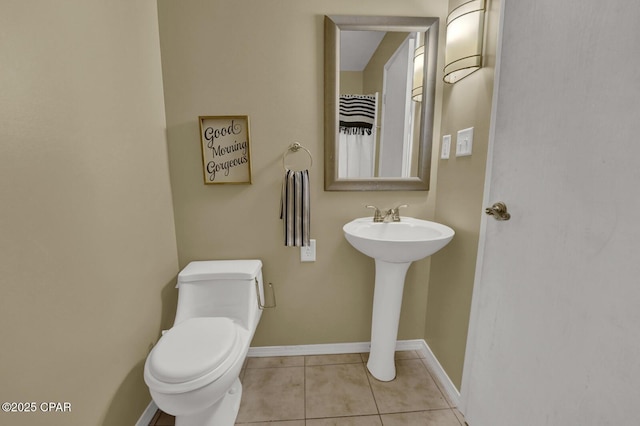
x: 376, y: 112
x: 377, y: 137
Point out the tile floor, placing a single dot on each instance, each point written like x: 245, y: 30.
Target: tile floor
x: 337, y: 390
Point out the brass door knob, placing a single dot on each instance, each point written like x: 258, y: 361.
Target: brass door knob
x: 498, y: 211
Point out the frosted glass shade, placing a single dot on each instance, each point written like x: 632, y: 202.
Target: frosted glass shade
x: 418, y: 74
x: 465, y: 30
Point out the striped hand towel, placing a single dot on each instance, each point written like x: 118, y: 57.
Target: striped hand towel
x: 357, y: 114
x: 295, y: 208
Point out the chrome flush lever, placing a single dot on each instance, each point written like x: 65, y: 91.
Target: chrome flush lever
x: 264, y: 305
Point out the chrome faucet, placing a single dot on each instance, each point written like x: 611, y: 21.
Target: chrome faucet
x: 377, y: 216
x: 391, y: 215
x: 395, y: 212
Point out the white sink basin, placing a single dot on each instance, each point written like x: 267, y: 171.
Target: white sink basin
x: 397, y: 242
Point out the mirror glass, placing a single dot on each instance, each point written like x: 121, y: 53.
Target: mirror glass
x: 379, y: 102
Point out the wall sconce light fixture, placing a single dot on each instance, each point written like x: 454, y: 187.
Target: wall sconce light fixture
x: 465, y: 31
x: 418, y: 74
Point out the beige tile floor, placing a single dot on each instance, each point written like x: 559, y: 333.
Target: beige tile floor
x: 337, y: 390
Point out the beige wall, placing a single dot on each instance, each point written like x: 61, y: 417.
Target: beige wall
x: 459, y: 205
x: 265, y: 59
x: 350, y: 82
x: 87, y: 242
x: 373, y: 74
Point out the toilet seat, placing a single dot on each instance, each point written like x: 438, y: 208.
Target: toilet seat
x: 193, y: 354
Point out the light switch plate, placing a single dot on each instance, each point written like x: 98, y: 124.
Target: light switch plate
x: 464, y: 142
x: 446, y: 147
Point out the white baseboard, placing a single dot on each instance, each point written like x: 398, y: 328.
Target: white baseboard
x: 442, y: 378
x: 328, y: 349
x: 296, y: 350
x: 147, y: 415
x: 419, y: 345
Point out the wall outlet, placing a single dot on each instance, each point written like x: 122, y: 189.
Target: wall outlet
x: 308, y: 253
x: 446, y: 147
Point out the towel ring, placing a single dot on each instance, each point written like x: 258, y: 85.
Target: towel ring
x: 295, y: 147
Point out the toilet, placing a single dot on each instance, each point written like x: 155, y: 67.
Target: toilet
x: 192, y: 372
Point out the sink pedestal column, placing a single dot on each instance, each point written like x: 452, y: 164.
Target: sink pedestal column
x: 387, y: 301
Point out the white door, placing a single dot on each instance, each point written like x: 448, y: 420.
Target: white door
x: 396, y: 110
x: 554, y: 337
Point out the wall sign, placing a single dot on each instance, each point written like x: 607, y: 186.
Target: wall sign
x: 226, y: 157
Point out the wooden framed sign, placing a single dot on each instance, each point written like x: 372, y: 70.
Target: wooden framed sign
x: 226, y: 155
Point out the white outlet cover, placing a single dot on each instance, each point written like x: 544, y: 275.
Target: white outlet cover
x: 308, y: 253
x: 464, y: 142
x: 446, y: 147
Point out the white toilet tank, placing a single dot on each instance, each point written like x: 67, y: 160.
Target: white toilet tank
x: 221, y: 288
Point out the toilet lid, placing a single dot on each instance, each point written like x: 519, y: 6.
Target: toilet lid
x: 192, y: 349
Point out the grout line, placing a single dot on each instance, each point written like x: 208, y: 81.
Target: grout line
x: 375, y: 401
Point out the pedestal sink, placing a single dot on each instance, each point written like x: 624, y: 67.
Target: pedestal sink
x: 393, y: 245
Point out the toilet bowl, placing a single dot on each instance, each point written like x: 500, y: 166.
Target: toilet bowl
x: 192, y: 372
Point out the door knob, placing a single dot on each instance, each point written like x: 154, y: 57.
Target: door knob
x: 498, y: 211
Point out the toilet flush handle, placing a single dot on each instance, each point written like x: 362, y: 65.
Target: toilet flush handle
x: 261, y: 305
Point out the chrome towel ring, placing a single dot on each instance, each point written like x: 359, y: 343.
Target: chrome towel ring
x: 295, y: 147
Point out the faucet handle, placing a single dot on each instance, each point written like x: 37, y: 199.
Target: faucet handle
x: 377, y: 216
x: 395, y: 213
